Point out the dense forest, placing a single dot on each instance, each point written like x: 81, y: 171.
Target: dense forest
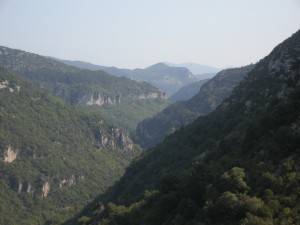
x: 237, y: 165
x: 54, y: 157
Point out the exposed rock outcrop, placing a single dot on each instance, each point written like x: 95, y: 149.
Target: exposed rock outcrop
x: 115, y: 139
x: 71, y: 181
x: 29, y: 189
x: 5, y: 84
x: 19, y: 184
x: 100, y: 99
x: 68, y: 182
x: 122, y: 139
x: 45, y: 189
x: 10, y: 154
x: 153, y: 95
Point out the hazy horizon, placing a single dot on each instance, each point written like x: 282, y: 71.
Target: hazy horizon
x: 136, y: 34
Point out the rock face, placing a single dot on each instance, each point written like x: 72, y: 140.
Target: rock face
x: 25, y: 186
x: 5, y: 84
x: 10, y: 154
x: 116, y: 139
x: 153, y: 95
x: 68, y: 182
x: 29, y: 189
x: 100, y: 99
x: 20, y: 185
x: 122, y: 139
x: 45, y: 189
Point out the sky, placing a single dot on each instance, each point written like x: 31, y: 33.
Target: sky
x: 139, y: 33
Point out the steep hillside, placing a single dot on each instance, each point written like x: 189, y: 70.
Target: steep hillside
x: 217, y: 89
x: 188, y: 91
x: 153, y: 130
x: 238, y: 165
x: 53, y: 157
x: 87, y: 88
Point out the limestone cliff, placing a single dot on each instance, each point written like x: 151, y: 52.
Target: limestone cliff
x: 97, y: 98
x: 45, y: 188
x: 6, y: 84
x: 10, y: 154
x: 116, y: 138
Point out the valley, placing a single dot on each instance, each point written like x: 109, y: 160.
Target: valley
x: 237, y: 165
x: 153, y: 138
x: 213, y: 92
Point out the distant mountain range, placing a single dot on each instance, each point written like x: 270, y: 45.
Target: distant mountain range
x: 165, y: 76
x: 195, y: 68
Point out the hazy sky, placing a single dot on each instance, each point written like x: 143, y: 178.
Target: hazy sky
x: 138, y: 33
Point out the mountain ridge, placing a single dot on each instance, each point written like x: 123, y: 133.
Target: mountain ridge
x: 153, y: 130
x: 166, y: 78
x: 195, y: 68
x: 238, y: 165
x: 96, y: 90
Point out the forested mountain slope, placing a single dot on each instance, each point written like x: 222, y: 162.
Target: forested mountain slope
x: 153, y: 130
x: 54, y: 157
x: 237, y: 165
x: 98, y: 90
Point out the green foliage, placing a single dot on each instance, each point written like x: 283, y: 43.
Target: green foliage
x: 233, y: 180
x: 255, y: 220
x: 84, y: 220
x: 74, y: 85
x: 129, y: 113
x: 237, y: 165
x: 55, y: 143
x: 153, y: 130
